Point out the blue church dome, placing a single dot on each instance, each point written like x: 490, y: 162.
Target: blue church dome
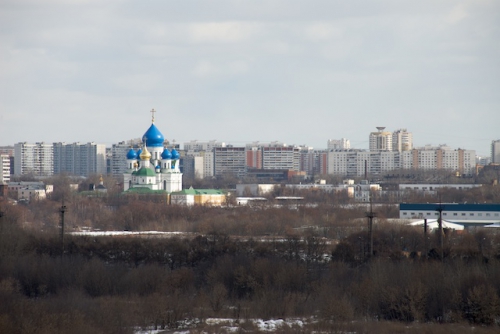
x: 166, y: 154
x: 139, y: 154
x: 131, y: 154
x: 153, y: 137
x: 175, y: 154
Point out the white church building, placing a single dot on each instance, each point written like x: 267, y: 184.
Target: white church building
x: 153, y: 166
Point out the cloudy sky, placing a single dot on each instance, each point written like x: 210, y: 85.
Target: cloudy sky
x: 295, y: 71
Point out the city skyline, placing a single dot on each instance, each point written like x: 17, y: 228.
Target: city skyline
x: 244, y: 71
x: 134, y: 141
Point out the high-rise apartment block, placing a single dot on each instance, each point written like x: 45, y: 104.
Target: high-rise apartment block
x: 402, y: 140
x: 4, y: 168
x: 6, y: 163
x: 197, y: 164
x: 205, y: 153
x: 208, y: 163
x: 7, y: 150
x: 281, y: 157
x: 273, y: 155
x: 254, y: 156
x: 36, y: 159
x: 380, y: 140
x: 399, y: 140
x: 79, y: 159
x: 313, y: 162
x: 230, y: 160
x: 198, y: 146
x: 338, y: 144
x: 118, y: 163
x: 495, y: 151
x: 43, y: 159
x: 192, y: 166
x: 359, y: 162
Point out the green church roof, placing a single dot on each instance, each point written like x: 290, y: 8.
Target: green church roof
x: 144, y: 190
x: 144, y: 172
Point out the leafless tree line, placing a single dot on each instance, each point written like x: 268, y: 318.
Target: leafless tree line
x: 110, y: 285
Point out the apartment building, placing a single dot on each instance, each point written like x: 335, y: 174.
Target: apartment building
x: 4, y: 168
x: 281, y: 157
x: 205, y: 150
x: 402, y: 140
x: 208, y: 163
x: 230, y: 160
x: 8, y: 154
x: 197, y: 146
x: 344, y: 162
x: 398, y: 141
x: 495, y: 151
x: 254, y: 156
x: 443, y: 157
x: 43, y: 159
x: 192, y: 165
x: 118, y: 160
x: 338, y: 144
x: 380, y: 140
x: 359, y: 162
x: 312, y: 161
x: 79, y: 159
x: 36, y: 159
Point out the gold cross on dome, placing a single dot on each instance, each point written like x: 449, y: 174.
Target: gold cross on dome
x: 153, y: 115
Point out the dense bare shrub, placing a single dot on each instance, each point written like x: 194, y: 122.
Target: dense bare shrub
x: 481, y: 305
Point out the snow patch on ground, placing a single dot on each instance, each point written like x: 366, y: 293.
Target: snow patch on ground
x: 229, y: 325
x: 150, y: 331
x: 272, y: 325
x: 126, y: 233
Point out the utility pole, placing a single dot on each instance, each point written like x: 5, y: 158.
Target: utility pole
x: 425, y: 238
x: 439, y: 209
x: 1, y: 220
x: 370, y: 215
x: 62, y: 210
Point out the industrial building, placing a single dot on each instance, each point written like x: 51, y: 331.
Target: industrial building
x: 457, y: 213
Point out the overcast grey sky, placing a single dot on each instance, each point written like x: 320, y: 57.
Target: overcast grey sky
x: 295, y: 71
